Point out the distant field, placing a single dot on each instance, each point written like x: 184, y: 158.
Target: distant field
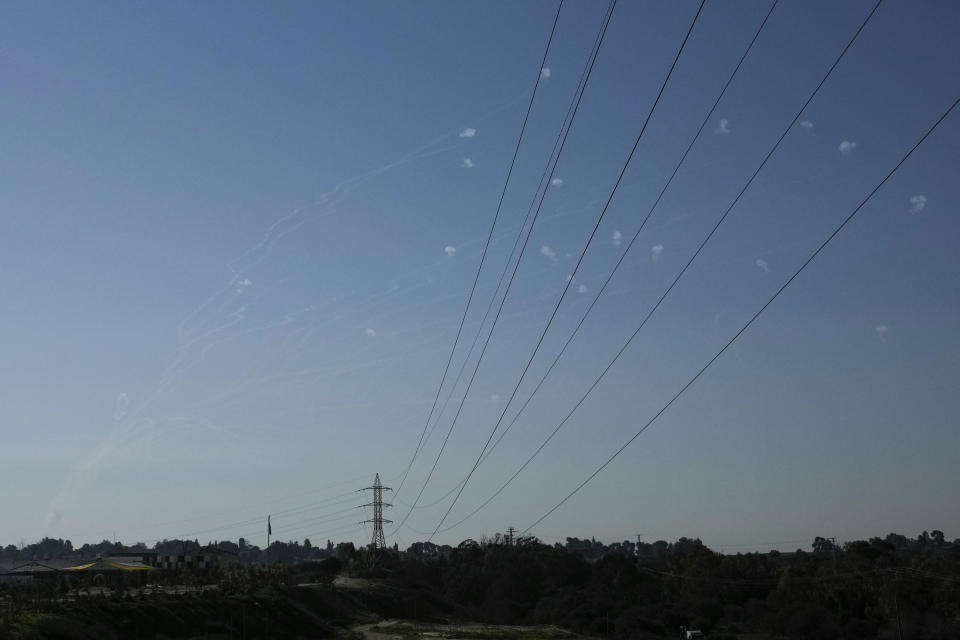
x: 406, y: 630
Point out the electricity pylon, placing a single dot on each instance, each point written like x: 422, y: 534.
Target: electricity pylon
x: 378, y: 543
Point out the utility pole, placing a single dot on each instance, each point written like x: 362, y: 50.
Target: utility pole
x: 378, y: 543
x: 510, y: 532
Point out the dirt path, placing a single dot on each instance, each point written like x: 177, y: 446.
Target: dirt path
x: 345, y: 582
x: 369, y: 634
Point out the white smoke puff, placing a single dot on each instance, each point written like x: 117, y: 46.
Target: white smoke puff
x: 120, y: 407
x: 54, y: 516
x: 881, y: 331
x: 917, y: 203
x: 846, y: 147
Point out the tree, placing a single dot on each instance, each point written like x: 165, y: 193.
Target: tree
x: 330, y: 567
x: 822, y: 545
x: 346, y: 551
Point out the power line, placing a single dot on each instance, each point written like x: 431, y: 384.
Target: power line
x: 417, y: 531
x: 249, y: 521
x: 629, y: 246
x: 354, y: 526
x: 685, y: 267
x: 506, y: 268
x: 526, y: 239
x: 330, y: 501
x: 486, y: 245
x: 299, y: 525
x: 262, y: 505
x: 803, y: 266
x: 616, y: 267
x: 576, y: 267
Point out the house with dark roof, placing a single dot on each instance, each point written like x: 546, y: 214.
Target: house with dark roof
x: 27, y: 572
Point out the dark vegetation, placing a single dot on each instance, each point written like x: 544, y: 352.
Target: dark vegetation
x: 56, y: 548
x: 885, y: 587
x: 274, y: 611
x: 864, y: 589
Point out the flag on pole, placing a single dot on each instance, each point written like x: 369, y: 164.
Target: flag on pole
x: 269, y: 530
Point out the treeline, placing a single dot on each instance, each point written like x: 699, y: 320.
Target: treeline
x: 290, y: 552
x: 883, y: 587
x: 880, y: 587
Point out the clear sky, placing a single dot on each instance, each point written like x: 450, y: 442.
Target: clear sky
x: 237, y: 239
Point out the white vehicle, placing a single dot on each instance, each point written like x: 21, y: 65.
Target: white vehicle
x: 691, y: 634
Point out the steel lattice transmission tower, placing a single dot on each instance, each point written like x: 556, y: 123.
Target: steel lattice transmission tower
x: 378, y: 504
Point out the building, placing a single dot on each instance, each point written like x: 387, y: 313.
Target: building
x: 27, y: 573
x: 202, y: 559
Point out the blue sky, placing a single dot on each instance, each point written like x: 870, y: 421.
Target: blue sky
x: 238, y: 238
